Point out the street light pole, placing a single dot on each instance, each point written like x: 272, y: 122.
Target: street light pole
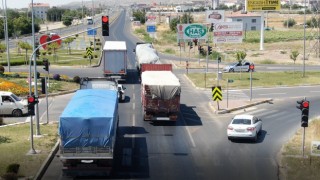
x: 35, y: 74
x: 6, y: 32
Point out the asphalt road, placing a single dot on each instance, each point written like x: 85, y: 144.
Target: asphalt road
x: 196, y: 146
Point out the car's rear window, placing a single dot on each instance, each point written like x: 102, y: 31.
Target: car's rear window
x: 241, y: 121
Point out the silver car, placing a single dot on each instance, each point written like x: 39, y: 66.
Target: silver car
x: 237, y: 67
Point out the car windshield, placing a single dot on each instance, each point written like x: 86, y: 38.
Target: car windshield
x: 241, y: 121
x: 15, y: 97
x: 233, y: 64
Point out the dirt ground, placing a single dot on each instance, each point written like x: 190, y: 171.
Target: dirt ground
x: 260, y: 53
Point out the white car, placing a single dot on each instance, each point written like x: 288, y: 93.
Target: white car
x: 237, y: 67
x: 11, y: 104
x: 121, y: 92
x: 244, y: 126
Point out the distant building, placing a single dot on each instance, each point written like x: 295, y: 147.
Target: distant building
x: 40, y: 10
x: 251, y: 21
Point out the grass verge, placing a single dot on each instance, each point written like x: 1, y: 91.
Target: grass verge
x: 259, y: 79
x: 15, y: 144
x: 293, y: 166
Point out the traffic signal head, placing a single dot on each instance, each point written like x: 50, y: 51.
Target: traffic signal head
x: 209, y: 50
x: 32, y: 100
x: 46, y: 64
x: 105, y: 25
x: 305, y: 113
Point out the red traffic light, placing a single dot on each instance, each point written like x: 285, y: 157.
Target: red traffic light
x: 251, y: 67
x: 31, y: 99
x: 105, y: 19
x: 305, y: 104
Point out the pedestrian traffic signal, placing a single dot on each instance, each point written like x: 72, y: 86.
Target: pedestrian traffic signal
x: 46, y: 64
x: 105, y: 25
x: 201, y: 50
x: 209, y: 50
x: 32, y: 100
x: 195, y: 42
x: 303, y: 105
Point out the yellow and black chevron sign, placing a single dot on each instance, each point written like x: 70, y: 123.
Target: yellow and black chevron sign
x: 89, y: 51
x: 216, y: 93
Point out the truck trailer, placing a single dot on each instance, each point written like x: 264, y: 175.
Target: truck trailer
x: 145, y: 54
x: 160, y: 92
x: 115, y: 60
x: 87, y: 130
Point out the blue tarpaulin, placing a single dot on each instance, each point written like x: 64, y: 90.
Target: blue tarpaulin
x: 89, y: 119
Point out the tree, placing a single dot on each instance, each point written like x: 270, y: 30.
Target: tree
x: 53, y: 46
x: 3, y: 48
x: 187, y: 18
x: 294, y: 54
x: 67, y: 20
x: 240, y: 56
x: 68, y: 41
x: 173, y: 24
x: 289, y: 23
x: 139, y: 15
x: 26, y: 46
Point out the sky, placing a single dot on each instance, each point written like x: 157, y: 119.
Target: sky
x: 25, y: 3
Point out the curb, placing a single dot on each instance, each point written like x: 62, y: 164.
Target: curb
x: 224, y: 111
x: 47, y: 162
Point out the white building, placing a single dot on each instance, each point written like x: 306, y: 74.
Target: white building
x: 251, y: 21
x: 40, y: 10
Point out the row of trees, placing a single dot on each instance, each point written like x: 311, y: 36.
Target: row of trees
x: 20, y: 23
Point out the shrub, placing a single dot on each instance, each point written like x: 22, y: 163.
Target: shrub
x: 44, y: 53
x: 97, y: 49
x: 16, y: 75
x: 1, y: 69
x: 95, y: 56
x: 56, y: 77
x: 13, y: 168
x: 1, y: 121
x: 76, y: 79
x: 10, y: 176
x: 84, y: 56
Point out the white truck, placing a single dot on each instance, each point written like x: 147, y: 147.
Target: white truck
x: 145, y: 54
x: 115, y: 60
x: 103, y: 83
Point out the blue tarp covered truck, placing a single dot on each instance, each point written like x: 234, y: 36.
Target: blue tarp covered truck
x: 87, y: 129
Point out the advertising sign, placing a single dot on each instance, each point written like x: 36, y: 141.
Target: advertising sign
x: 191, y: 31
x: 214, y: 16
x: 263, y: 5
x: 315, y: 148
x: 228, y: 32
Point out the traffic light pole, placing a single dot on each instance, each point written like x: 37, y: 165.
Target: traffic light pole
x: 35, y: 84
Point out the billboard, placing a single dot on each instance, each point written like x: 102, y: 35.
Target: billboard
x: 228, y: 32
x: 263, y: 5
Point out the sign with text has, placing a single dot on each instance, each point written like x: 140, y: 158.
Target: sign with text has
x: 263, y: 5
x: 216, y: 93
x: 191, y: 31
x: 228, y: 32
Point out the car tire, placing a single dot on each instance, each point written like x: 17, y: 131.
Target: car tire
x: 231, y: 70
x: 255, y: 138
x: 260, y: 131
x: 17, y: 113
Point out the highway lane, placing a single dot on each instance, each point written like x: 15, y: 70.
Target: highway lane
x: 196, y: 146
